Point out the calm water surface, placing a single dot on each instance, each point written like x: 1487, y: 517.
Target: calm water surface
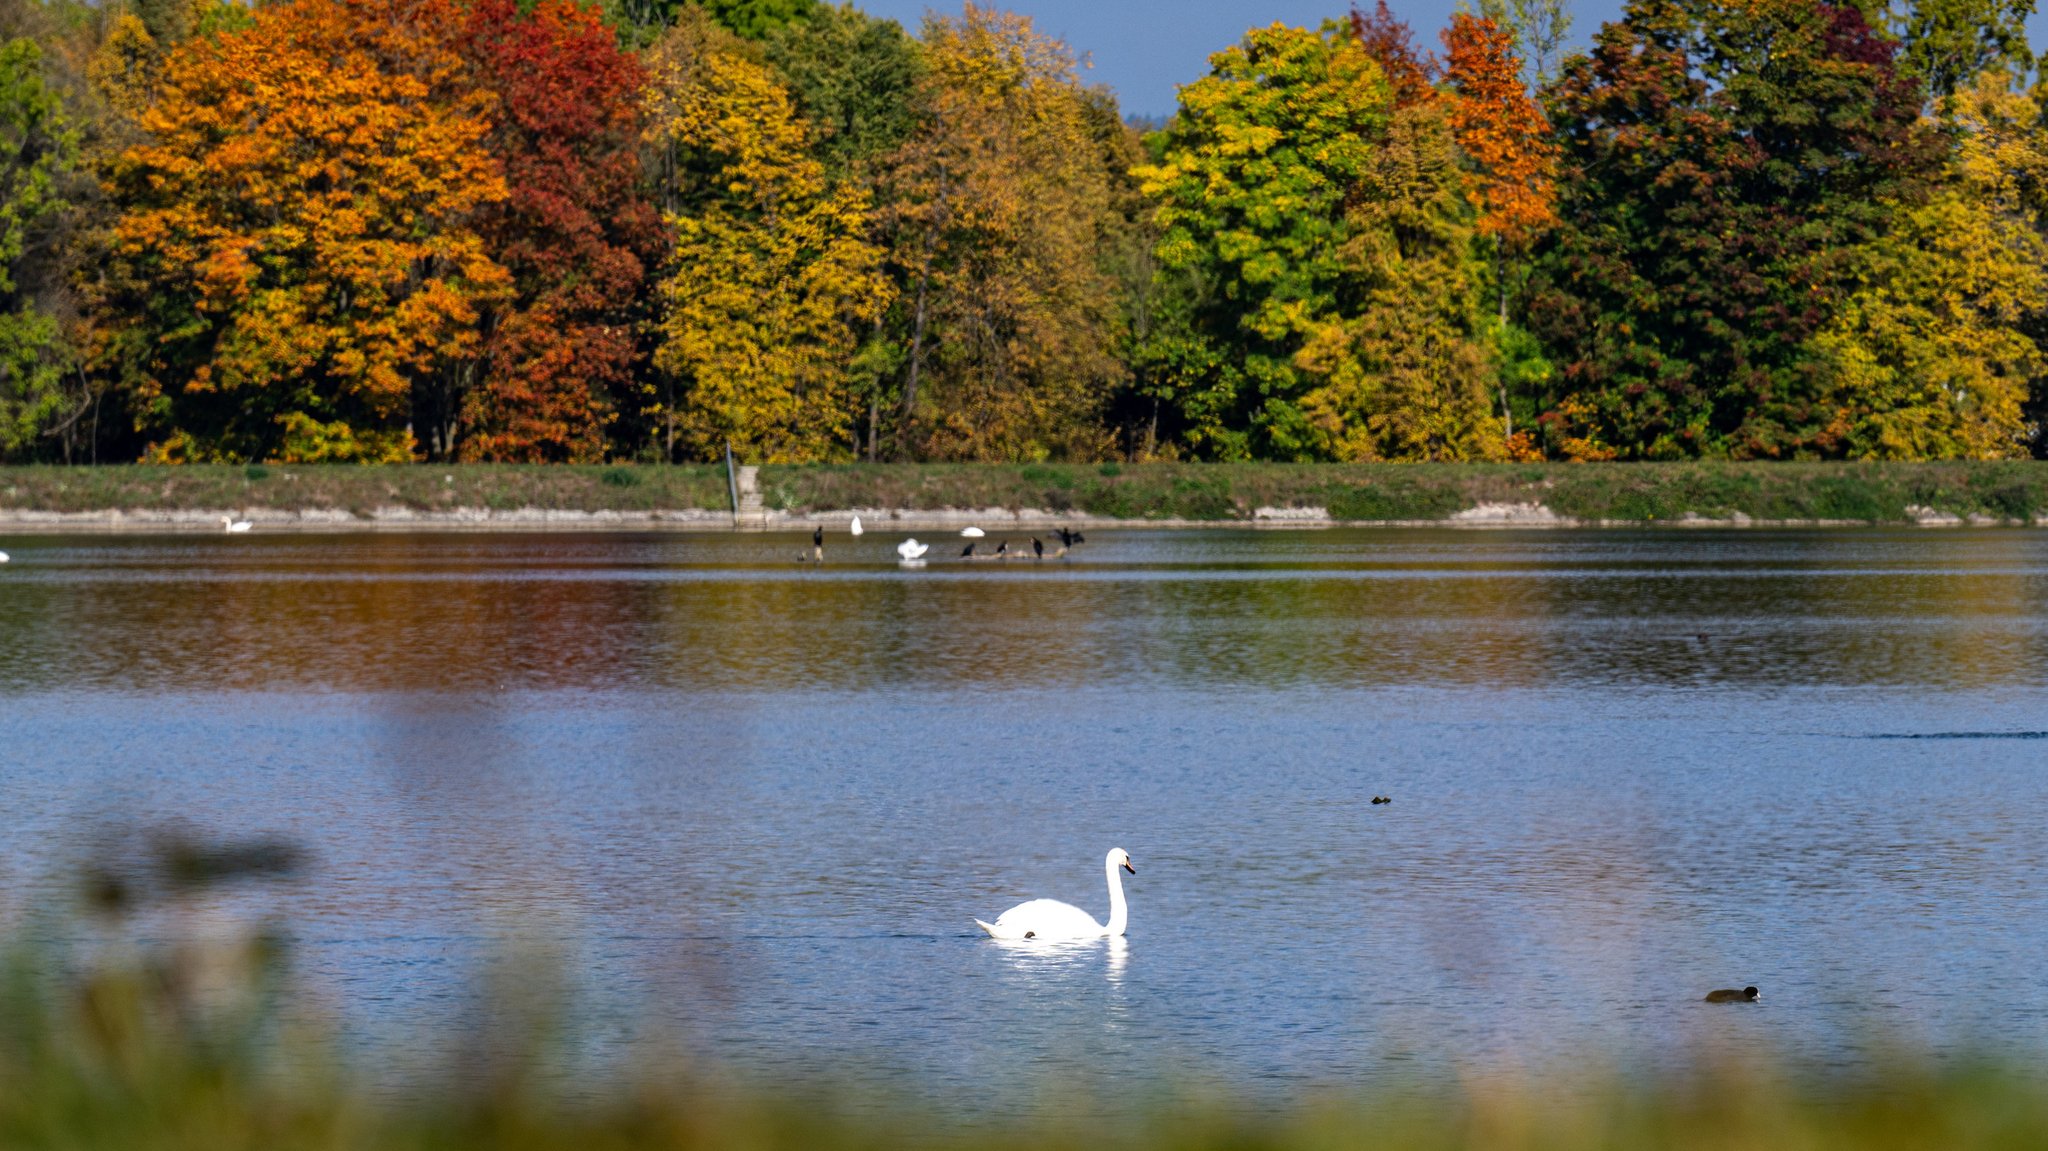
x: 751, y: 806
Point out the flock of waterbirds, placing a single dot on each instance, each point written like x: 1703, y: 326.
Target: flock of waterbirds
x: 911, y: 552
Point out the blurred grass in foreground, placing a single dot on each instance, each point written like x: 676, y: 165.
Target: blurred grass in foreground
x: 193, y: 1042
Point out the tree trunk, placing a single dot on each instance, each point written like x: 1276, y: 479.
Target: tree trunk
x: 1500, y: 279
x: 924, y: 277
x: 924, y: 281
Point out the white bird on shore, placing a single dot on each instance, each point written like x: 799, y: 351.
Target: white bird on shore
x: 1049, y: 920
x: 232, y: 524
x: 855, y: 527
x: 972, y: 533
x: 910, y: 549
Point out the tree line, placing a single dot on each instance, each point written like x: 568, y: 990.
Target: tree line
x: 539, y: 230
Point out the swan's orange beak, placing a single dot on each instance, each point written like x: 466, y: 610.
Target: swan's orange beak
x: 1128, y: 867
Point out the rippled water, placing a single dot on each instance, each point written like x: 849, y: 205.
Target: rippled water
x: 754, y: 805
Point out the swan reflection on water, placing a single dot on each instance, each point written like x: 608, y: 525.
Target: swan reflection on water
x: 1038, y: 958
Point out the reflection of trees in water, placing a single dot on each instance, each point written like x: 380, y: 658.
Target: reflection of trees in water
x: 401, y: 613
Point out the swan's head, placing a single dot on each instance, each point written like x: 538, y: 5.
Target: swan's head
x: 1118, y: 857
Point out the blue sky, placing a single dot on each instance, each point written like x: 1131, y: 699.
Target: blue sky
x: 1145, y: 48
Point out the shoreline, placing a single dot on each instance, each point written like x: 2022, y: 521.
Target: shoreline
x: 316, y: 521
x: 136, y: 499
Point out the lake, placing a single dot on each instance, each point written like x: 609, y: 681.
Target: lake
x: 749, y: 808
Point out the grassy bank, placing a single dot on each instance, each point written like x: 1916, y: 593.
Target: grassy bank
x: 2013, y: 492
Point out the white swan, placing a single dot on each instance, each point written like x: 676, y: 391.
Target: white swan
x: 972, y: 533
x: 855, y: 527
x: 234, y: 525
x: 1049, y: 919
x: 3, y: 557
x: 910, y: 549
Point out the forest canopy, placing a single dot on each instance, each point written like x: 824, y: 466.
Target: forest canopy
x: 551, y: 231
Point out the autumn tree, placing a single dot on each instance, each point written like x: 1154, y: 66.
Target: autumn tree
x: 1400, y: 370
x: 1501, y: 131
x: 1931, y: 354
x: 1722, y: 161
x: 576, y: 232
x: 999, y: 207
x: 1390, y: 43
x: 772, y: 274
x: 298, y: 249
x: 1508, y: 148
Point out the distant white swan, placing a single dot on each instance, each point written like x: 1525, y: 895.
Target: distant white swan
x: 1049, y: 919
x: 910, y: 549
x: 3, y: 557
x: 855, y: 527
x: 234, y: 525
x: 972, y: 533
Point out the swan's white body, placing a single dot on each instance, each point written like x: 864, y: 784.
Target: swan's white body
x: 234, y: 525
x: 1051, y: 920
x: 855, y: 527
x: 3, y: 557
x: 972, y: 533
x: 910, y: 549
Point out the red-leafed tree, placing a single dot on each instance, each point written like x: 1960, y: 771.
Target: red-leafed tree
x: 578, y: 232
x: 1392, y: 46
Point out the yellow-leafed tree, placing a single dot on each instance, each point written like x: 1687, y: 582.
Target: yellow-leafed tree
x: 1931, y: 353
x: 772, y: 273
x: 1002, y: 218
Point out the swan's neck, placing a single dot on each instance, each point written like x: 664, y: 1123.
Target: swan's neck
x: 1119, y: 911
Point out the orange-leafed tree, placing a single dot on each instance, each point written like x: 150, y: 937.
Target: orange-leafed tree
x: 1501, y: 131
x: 1507, y: 144
x: 577, y: 232
x: 299, y: 249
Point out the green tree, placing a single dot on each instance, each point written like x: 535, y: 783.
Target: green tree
x: 37, y: 147
x: 1253, y: 188
x: 756, y: 19
x: 1947, y: 43
x: 1540, y: 28
x: 1723, y: 160
x: 854, y: 79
